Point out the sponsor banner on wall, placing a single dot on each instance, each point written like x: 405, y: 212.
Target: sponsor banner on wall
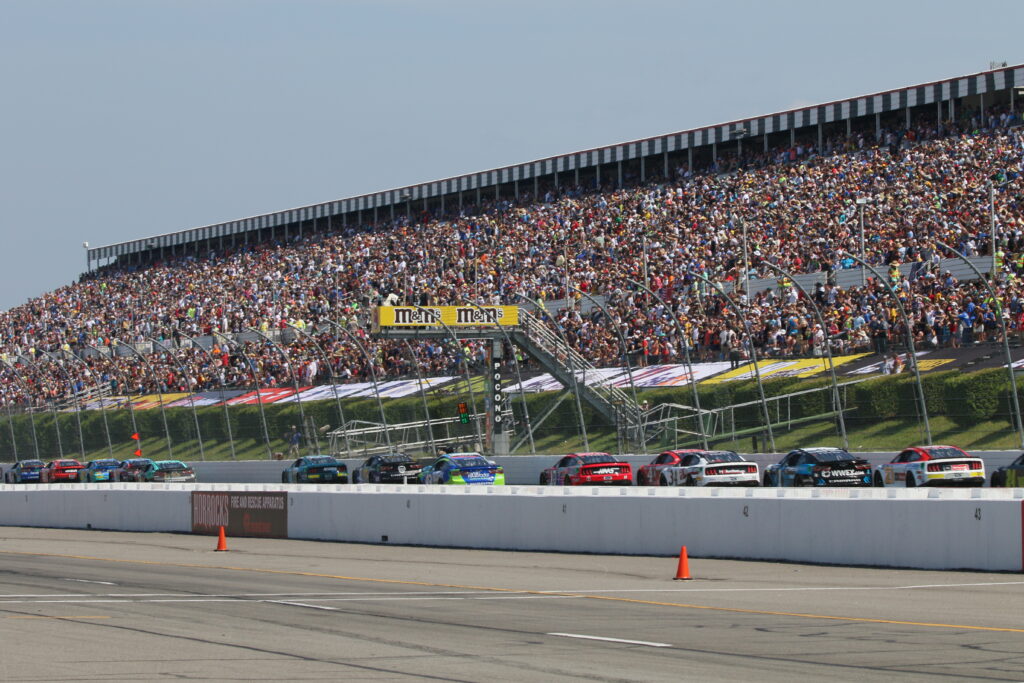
x: 153, y: 400
x: 651, y: 376
x: 453, y: 316
x: 207, y: 398
x: 262, y: 515
x: 794, y: 367
x: 272, y: 395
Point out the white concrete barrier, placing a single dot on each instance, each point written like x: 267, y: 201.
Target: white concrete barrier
x: 931, y: 529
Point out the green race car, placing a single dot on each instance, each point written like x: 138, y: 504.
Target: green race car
x: 168, y: 470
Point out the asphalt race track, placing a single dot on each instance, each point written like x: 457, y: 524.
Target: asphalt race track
x: 92, y: 605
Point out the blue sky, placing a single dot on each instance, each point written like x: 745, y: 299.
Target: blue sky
x: 128, y: 118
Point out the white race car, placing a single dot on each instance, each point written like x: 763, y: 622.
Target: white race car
x: 931, y: 466
x: 698, y: 468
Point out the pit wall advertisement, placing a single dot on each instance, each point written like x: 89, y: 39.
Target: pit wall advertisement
x: 259, y: 515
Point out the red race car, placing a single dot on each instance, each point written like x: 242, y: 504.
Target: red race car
x: 60, y: 470
x: 594, y: 469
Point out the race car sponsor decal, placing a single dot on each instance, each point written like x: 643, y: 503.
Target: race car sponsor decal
x: 261, y: 515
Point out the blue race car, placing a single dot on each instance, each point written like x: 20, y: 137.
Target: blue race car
x: 24, y: 472
x: 819, y: 467
x: 316, y: 469
x: 99, y: 470
x: 462, y: 468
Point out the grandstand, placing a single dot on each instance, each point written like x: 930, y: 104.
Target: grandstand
x: 885, y: 176
x: 618, y: 165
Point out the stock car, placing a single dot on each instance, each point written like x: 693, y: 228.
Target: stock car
x: 931, y: 466
x: 694, y: 467
x: 23, y: 472
x: 390, y: 468
x: 316, y: 469
x: 1011, y: 475
x: 462, y: 468
x: 594, y: 469
x: 131, y: 469
x: 168, y: 470
x: 819, y: 467
x: 99, y: 470
x: 60, y: 470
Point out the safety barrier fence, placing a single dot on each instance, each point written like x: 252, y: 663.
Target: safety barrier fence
x: 929, y: 529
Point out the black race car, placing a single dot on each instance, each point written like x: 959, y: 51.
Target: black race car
x: 391, y: 468
x: 1011, y: 475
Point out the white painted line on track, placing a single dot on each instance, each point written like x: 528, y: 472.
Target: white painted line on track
x: 301, y: 604
x: 787, y: 589
x: 105, y: 583
x: 611, y: 640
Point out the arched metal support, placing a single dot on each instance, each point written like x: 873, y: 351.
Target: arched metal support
x: 910, y: 342
x: 686, y: 355
x: 223, y: 396
x: 334, y: 383
x: 291, y: 371
x: 160, y: 393
x: 753, y: 354
x: 641, y: 436
x: 519, y: 377
x: 828, y: 349
x: 373, y: 377
x: 191, y: 395
x: 1006, y: 339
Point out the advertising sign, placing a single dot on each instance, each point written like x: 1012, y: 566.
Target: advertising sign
x: 453, y: 316
x: 261, y: 515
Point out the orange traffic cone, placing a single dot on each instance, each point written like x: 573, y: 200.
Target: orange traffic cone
x: 222, y: 541
x: 683, y: 570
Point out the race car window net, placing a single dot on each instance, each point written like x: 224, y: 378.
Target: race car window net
x: 596, y: 458
x: 396, y: 458
x: 940, y: 453
x: 833, y: 456
x: 723, y: 456
x: 320, y: 459
x: 471, y: 462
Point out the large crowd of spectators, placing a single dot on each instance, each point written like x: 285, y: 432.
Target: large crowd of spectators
x: 794, y: 207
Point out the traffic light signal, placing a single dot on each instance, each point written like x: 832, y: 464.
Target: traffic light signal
x: 463, y: 414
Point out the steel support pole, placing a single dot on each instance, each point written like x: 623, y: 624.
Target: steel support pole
x: 519, y: 378
x: 74, y: 395
x: 10, y: 425
x: 160, y: 393
x: 28, y: 401
x: 1006, y: 341
x: 828, y: 350
x: 334, y: 384
x: 686, y: 355
x: 223, y: 398
x: 910, y: 344
x: 572, y: 369
x: 469, y: 380
x: 259, y: 398
x: 373, y: 378
x: 191, y: 395
x: 103, y: 408
x: 625, y: 357
x: 120, y: 377
x: 56, y: 421
x: 753, y: 354
x: 291, y: 371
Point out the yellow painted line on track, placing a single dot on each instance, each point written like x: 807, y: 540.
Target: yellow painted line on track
x: 607, y: 598
x: 38, y: 616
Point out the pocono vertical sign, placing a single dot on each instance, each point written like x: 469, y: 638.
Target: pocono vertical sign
x: 262, y: 515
